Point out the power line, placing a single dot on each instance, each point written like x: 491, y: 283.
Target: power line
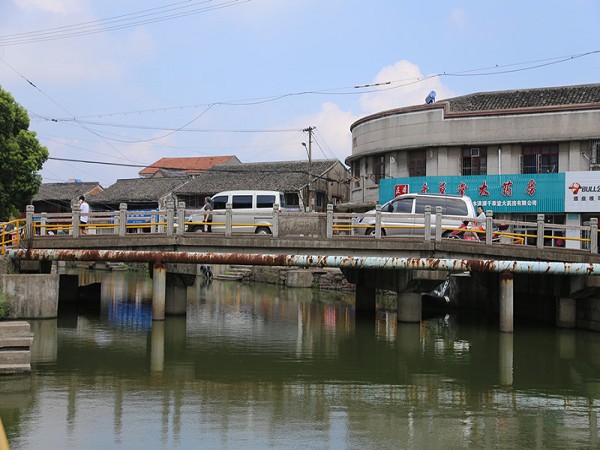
x: 144, y: 17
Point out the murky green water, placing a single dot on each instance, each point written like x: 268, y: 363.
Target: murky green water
x: 256, y: 367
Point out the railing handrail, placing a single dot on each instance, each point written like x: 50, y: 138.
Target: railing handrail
x: 173, y: 220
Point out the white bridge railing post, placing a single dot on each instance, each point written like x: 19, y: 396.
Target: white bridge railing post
x: 29, y: 209
x: 594, y: 235
x: 438, y: 223
x: 540, y: 231
x: 329, y: 232
x: 276, y: 212
x: 378, y: 222
x: 75, y: 220
x: 427, y: 224
x: 170, y: 218
x: 228, y: 220
x: 122, y: 219
x: 180, y: 217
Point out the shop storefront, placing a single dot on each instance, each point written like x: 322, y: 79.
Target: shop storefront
x: 569, y: 198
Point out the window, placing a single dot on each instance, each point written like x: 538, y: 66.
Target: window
x: 242, y: 201
x: 474, y: 161
x: 417, y: 163
x: 402, y: 205
x: 431, y: 201
x: 220, y: 202
x: 541, y: 158
x: 265, y: 201
x: 356, y: 168
x: 378, y: 168
x: 291, y: 200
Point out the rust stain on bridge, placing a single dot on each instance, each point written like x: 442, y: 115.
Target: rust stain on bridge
x: 367, y: 262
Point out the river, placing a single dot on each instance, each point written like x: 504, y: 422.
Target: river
x: 253, y: 366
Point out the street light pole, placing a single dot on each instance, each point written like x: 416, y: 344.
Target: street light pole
x: 309, y: 150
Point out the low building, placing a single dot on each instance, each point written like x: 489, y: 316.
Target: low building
x: 328, y: 182
x: 190, y: 166
x: 138, y: 194
x: 60, y: 197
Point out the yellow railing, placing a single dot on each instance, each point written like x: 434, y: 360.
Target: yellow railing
x: 3, y: 439
x: 11, y: 234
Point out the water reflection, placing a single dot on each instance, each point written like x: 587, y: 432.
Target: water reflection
x: 253, y: 366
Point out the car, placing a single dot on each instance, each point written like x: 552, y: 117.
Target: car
x: 397, y: 215
x: 252, y: 211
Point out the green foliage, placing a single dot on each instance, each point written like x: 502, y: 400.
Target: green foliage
x: 21, y: 157
x: 4, y: 306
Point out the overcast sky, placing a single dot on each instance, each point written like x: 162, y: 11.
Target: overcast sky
x: 130, y: 82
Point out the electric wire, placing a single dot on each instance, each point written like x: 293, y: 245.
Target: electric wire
x: 94, y: 27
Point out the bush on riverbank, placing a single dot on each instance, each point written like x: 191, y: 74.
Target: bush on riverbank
x: 4, y: 306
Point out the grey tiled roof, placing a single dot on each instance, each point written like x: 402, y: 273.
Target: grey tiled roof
x: 507, y: 102
x: 138, y: 189
x: 285, y: 176
x: 526, y: 98
x: 63, y: 191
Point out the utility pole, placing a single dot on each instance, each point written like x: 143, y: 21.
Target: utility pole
x: 309, y: 150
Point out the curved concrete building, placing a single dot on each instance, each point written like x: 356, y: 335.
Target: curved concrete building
x: 518, y: 152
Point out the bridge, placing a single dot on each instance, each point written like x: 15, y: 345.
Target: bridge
x: 408, y: 265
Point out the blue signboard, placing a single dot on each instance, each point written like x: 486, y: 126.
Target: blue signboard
x: 513, y: 193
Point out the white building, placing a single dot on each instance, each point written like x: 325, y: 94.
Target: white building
x: 519, y: 152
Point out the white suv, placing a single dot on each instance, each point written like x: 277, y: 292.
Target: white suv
x: 396, y: 214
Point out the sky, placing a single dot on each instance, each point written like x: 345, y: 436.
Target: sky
x: 121, y: 84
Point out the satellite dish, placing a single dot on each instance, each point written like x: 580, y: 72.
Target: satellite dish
x: 430, y: 98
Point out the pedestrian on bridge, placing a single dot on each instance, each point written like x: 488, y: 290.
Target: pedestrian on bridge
x: 84, y: 209
x: 208, y: 209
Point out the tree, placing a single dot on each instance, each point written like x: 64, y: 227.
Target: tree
x: 21, y: 157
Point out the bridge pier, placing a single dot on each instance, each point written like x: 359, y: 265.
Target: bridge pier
x: 409, y: 306
x: 159, y: 284
x: 566, y: 309
x: 365, y: 298
x: 176, y: 300
x: 506, y: 302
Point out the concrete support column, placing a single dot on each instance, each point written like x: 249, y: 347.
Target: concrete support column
x: 365, y: 298
x: 505, y: 364
x: 506, y: 302
x: 409, y: 306
x: 176, y: 300
x: 159, y: 283
x: 566, y: 309
x: 180, y: 218
x: 157, y: 347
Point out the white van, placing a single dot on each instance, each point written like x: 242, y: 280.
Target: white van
x: 252, y: 211
x: 396, y: 214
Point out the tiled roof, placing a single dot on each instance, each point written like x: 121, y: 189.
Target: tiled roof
x: 506, y: 102
x: 191, y: 165
x: 63, y: 191
x: 526, y: 98
x: 285, y: 176
x: 138, y: 190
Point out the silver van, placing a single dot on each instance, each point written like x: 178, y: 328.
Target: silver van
x: 252, y: 211
x: 396, y: 219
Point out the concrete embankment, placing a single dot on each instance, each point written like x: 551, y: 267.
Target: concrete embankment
x: 15, y: 343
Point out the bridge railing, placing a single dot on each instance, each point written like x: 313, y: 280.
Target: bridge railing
x: 331, y: 225
x: 12, y: 234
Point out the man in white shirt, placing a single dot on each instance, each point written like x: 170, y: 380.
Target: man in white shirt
x: 84, y: 209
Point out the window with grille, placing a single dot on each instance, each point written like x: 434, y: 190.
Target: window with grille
x: 378, y: 168
x: 541, y: 158
x: 417, y: 163
x: 474, y: 161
